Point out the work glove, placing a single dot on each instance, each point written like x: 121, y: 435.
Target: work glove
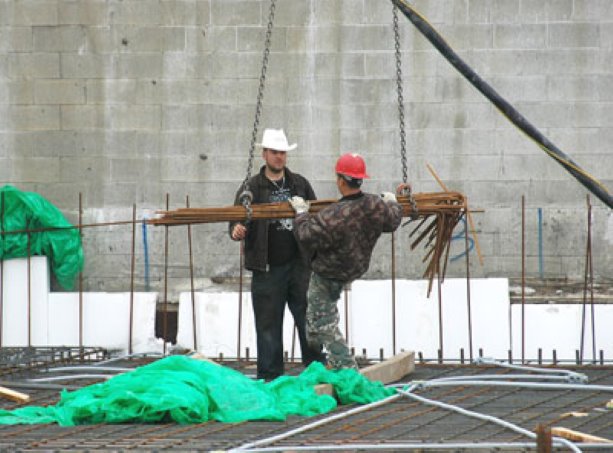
x: 388, y: 196
x: 299, y: 204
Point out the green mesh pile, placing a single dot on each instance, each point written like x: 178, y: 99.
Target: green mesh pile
x: 28, y: 210
x: 185, y: 390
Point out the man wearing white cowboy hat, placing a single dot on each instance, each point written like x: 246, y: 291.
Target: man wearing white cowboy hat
x: 280, y: 270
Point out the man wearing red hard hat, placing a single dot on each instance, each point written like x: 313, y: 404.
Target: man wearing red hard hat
x: 341, y: 238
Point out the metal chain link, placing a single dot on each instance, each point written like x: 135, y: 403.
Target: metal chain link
x: 403, y: 141
x: 246, y: 196
x: 403, y: 151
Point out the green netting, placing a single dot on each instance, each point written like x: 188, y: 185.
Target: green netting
x: 185, y: 390
x: 29, y: 210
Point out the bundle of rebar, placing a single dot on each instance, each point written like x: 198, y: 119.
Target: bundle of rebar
x: 437, y: 214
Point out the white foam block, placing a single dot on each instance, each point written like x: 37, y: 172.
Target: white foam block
x: 217, y: 325
x: 369, y: 318
x: 106, y: 320
x: 559, y: 326
x: 417, y: 317
x: 15, y: 307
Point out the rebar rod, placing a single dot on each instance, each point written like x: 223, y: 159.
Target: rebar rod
x: 165, y: 315
x: 81, y: 273
x: 191, y: 277
x: 132, y: 266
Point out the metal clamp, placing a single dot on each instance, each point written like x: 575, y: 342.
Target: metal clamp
x: 246, y: 197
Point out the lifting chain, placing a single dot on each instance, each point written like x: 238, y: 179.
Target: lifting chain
x: 246, y: 197
x: 403, y: 141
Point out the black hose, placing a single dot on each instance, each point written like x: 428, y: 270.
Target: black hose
x: 589, y: 182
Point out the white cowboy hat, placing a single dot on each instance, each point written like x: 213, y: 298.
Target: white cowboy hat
x: 276, y: 139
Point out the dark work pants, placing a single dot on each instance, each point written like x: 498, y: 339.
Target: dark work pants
x: 270, y: 291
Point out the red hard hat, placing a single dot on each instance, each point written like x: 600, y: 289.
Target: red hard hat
x: 352, y: 165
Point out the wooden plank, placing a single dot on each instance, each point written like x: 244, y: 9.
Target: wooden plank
x: 386, y: 372
x: 14, y: 395
x: 578, y: 436
x: 392, y: 369
x: 201, y: 357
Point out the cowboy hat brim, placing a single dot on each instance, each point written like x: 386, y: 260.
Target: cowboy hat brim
x: 291, y: 147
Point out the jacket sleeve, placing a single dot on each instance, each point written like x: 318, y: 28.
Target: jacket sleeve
x: 311, y: 232
x: 310, y: 193
x: 392, y: 216
x: 236, y: 203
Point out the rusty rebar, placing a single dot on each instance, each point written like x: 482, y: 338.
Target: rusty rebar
x: 81, y: 273
x: 394, y: 293
x: 523, y: 279
x: 132, y: 265
x: 1, y: 268
x: 191, y: 277
x: 240, y: 297
x: 466, y: 250
x: 165, y: 304
x: 29, y: 274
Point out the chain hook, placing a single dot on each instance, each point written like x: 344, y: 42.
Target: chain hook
x: 246, y: 197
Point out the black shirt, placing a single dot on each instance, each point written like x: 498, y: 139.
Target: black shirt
x: 282, y: 246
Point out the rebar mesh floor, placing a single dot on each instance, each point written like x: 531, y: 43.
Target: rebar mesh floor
x: 399, y: 422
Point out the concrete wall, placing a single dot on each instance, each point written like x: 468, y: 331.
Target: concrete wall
x: 127, y: 101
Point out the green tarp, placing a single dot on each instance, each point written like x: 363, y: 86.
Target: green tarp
x: 186, y: 390
x: 30, y: 211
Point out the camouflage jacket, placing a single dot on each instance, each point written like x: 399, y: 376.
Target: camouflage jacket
x: 341, y: 237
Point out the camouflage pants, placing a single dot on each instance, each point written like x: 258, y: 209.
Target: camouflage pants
x: 322, y: 321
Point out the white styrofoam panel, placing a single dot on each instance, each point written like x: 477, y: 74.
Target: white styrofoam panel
x: 106, y: 320
x: 559, y: 326
x: 369, y: 319
x: 217, y: 325
x: 15, y: 307
x: 417, y: 317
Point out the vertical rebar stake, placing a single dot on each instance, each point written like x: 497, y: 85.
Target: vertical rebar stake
x: 588, y: 282
x: 191, y: 277
x: 240, y: 297
x: 165, y: 313
x: 29, y: 291
x: 440, y: 290
x: 523, y: 279
x: 543, y: 439
x: 81, y: 277
x: 132, y: 263
x: 1, y: 266
x: 346, y: 314
x: 393, y: 293
x: 468, y: 304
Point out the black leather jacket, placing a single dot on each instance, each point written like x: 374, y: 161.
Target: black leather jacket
x: 256, y: 241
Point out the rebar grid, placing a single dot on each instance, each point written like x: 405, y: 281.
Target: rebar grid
x: 18, y: 360
x: 401, y: 421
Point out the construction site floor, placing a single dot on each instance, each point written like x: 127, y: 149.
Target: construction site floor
x: 400, y: 424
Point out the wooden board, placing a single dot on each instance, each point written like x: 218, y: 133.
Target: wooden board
x: 13, y: 395
x: 578, y: 436
x: 386, y: 372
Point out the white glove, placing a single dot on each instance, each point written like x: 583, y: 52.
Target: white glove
x: 388, y: 196
x: 299, y: 204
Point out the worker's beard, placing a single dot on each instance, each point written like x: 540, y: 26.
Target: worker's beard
x: 275, y: 171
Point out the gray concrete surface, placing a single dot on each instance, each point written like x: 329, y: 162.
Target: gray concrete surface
x: 127, y: 101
